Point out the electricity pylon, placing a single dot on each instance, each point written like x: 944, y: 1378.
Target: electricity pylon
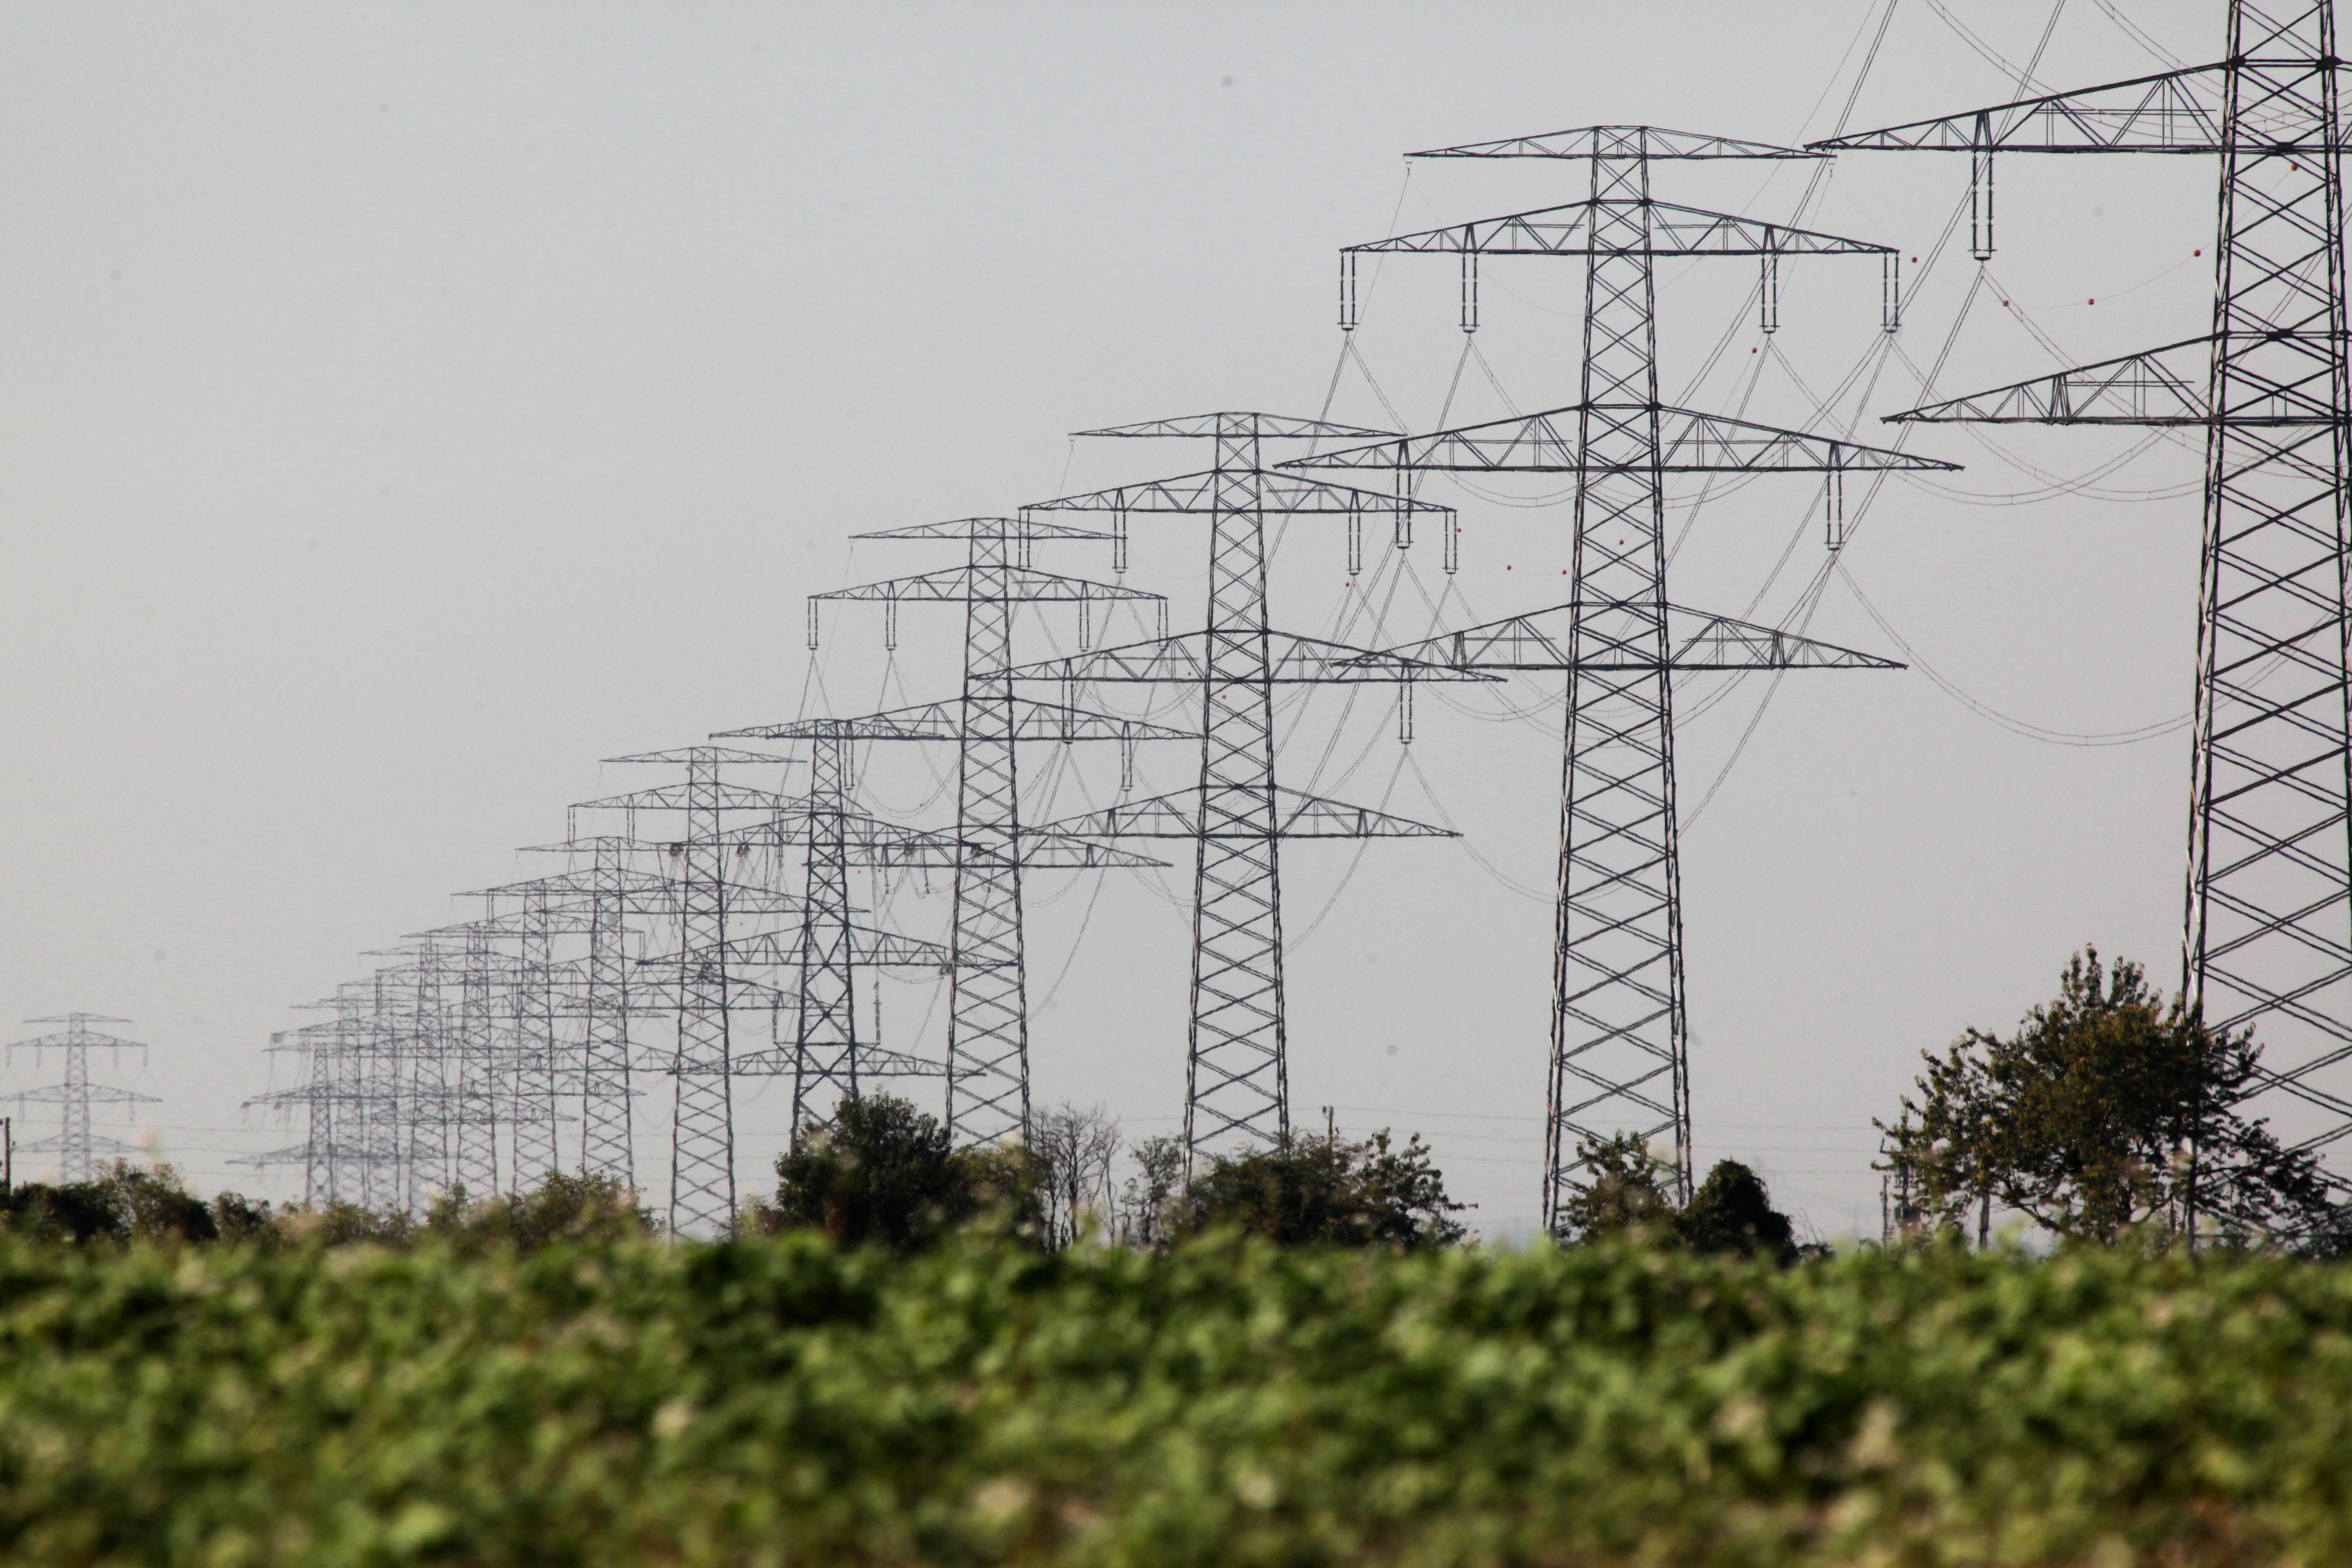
x: 988, y: 1014
x: 1620, y: 1036
x: 520, y: 1090
x: 350, y: 1093
x: 612, y: 892
x: 74, y: 1143
x: 1237, y: 1074
x: 2269, y: 889
x: 541, y: 1068
x: 702, y: 1144
x: 394, y: 1040
x: 429, y: 1057
x: 828, y: 1056
x: 320, y: 1098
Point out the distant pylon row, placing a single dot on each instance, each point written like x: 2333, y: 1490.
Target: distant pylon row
x: 472, y: 1060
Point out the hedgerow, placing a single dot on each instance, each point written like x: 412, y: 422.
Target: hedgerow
x: 781, y: 1401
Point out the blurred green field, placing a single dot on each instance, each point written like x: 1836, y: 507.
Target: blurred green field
x: 777, y: 1401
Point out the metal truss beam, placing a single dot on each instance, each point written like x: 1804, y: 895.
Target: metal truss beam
x: 1295, y: 815
x: 1651, y: 141
x: 1188, y: 657
x: 1562, y: 441
x: 1617, y: 638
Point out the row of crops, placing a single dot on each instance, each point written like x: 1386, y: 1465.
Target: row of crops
x: 780, y: 1400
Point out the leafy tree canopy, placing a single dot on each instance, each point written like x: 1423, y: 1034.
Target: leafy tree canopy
x: 1323, y: 1190
x: 884, y: 1173
x: 2107, y: 1111
x: 1626, y: 1191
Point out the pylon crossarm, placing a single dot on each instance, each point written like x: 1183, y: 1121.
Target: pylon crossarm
x: 692, y: 797
x: 1236, y: 427
x: 580, y: 884
x: 1597, y: 228
x: 868, y: 944
x: 963, y: 584
x: 1290, y: 661
x: 699, y: 754
x: 1620, y: 142
x: 52, y: 1093
x: 1688, y: 442
x: 2161, y: 387
x: 1624, y: 637
x: 873, y: 1061
x: 1032, y: 720
x: 2173, y: 111
x: 1017, y: 529
x: 1295, y: 815
x: 1050, y: 849
x: 1278, y: 492
x: 65, y: 1037
x: 1040, y: 849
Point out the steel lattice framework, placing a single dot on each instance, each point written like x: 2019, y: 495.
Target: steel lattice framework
x: 608, y: 1127
x: 479, y: 979
x: 988, y: 1021
x: 1620, y: 1036
x: 74, y: 1143
x: 1236, y: 1080
x: 533, y: 1114
x: 828, y: 1056
x: 702, y: 1141
x: 2267, y: 940
x: 430, y: 1058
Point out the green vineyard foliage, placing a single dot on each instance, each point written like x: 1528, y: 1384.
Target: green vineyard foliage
x: 776, y: 1401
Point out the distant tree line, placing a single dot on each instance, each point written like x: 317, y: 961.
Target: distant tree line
x: 2108, y: 1114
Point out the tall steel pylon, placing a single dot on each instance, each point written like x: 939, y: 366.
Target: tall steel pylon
x: 74, y: 1144
x: 607, y: 1131
x: 363, y: 1013
x: 830, y: 1057
x: 702, y: 1143
x: 1619, y: 1031
x: 1237, y: 1084
x: 597, y: 903
x: 476, y: 1109
x: 430, y: 1057
x: 2267, y: 939
x: 534, y: 1117
x: 988, y: 1022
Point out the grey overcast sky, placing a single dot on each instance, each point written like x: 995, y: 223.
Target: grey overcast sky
x: 405, y: 406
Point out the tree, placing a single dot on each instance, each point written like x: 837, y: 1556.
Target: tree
x: 1073, y: 1149
x: 564, y: 1207
x: 1625, y: 1193
x: 1147, y: 1202
x: 1319, y: 1190
x: 122, y: 1202
x: 2107, y: 1111
x: 884, y: 1173
x: 1626, y: 1189
x: 1733, y: 1212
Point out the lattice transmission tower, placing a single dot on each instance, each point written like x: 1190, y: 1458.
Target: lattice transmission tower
x: 702, y: 1141
x: 1619, y: 1032
x: 2267, y: 940
x: 75, y: 1143
x: 1237, y: 1077
x: 988, y: 1014
x: 599, y: 901
x: 830, y: 1057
